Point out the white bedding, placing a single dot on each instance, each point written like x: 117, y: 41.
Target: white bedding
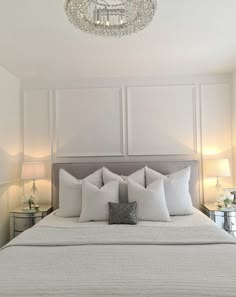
x: 60, y: 257
x: 197, y: 219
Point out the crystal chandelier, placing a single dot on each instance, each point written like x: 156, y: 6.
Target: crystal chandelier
x: 114, y: 18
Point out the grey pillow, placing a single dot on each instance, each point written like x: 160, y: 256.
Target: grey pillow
x: 123, y: 213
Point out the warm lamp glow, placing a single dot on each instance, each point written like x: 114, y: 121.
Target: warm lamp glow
x: 33, y: 170
x: 211, y: 151
x: 216, y: 168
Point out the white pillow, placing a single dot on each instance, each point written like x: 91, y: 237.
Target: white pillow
x: 138, y: 176
x: 70, y: 192
x: 95, y: 201
x: 151, y: 203
x: 176, y: 186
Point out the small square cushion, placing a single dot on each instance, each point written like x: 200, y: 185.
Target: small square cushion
x: 123, y: 213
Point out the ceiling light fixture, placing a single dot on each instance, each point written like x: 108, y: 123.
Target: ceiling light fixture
x: 111, y: 18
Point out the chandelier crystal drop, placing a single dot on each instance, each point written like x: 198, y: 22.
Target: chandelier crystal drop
x: 111, y: 18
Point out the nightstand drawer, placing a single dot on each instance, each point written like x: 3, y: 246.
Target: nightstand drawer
x: 230, y: 223
x: 225, y: 218
x: 22, y: 224
x: 219, y: 220
x: 23, y: 219
x: 16, y: 233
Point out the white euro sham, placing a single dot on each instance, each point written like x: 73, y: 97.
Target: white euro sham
x: 95, y: 201
x: 151, y: 203
x: 70, y: 192
x: 137, y: 176
x: 176, y: 185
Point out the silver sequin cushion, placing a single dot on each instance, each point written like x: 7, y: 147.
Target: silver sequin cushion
x: 123, y: 213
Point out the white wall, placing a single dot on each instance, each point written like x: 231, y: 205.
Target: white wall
x: 10, y: 148
x: 233, y: 113
x: 109, y: 119
x: 216, y: 129
x: 129, y: 119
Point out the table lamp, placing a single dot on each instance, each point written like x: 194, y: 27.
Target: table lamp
x: 217, y: 168
x: 33, y: 171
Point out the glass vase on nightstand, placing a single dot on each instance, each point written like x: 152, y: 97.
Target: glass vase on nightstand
x: 30, y: 202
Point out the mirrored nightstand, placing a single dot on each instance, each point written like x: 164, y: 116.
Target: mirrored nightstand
x: 225, y: 218
x: 21, y: 220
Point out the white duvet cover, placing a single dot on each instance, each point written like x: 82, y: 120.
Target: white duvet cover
x: 197, y: 219
x: 189, y: 256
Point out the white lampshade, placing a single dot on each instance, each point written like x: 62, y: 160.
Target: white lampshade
x: 33, y: 170
x: 216, y: 168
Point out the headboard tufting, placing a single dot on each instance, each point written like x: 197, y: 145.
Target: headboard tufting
x: 81, y: 170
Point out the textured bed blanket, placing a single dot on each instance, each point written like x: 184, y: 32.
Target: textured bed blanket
x: 120, y: 235
x: 124, y: 261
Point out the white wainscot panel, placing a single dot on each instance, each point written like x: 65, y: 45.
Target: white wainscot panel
x: 10, y: 129
x: 37, y: 140
x: 89, y: 122
x: 216, y: 126
x: 161, y: 120
x: 216, y: 131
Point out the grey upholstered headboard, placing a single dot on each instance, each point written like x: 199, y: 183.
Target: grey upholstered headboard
x: 81, y: 170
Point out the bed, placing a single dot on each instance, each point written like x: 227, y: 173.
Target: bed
x: 189, y: 256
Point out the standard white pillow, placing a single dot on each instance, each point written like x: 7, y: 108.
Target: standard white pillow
x: 95, y: 201
x: 176, y: 187
x: 151, y: 203
x: 70, y: 192
x: 138, y: 177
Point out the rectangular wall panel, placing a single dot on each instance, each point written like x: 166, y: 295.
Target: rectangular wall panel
x: 37, y: 137
x: 216, y: 132
x: 216, y: 122
x: 161, y: 120
x: 10, y: 128
x: 89, y: 122
x: 37, y: 133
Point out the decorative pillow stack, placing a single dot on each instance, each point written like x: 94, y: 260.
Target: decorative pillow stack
x: 104, y: 196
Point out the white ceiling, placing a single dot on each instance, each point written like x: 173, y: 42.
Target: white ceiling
x: 186, y: 36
